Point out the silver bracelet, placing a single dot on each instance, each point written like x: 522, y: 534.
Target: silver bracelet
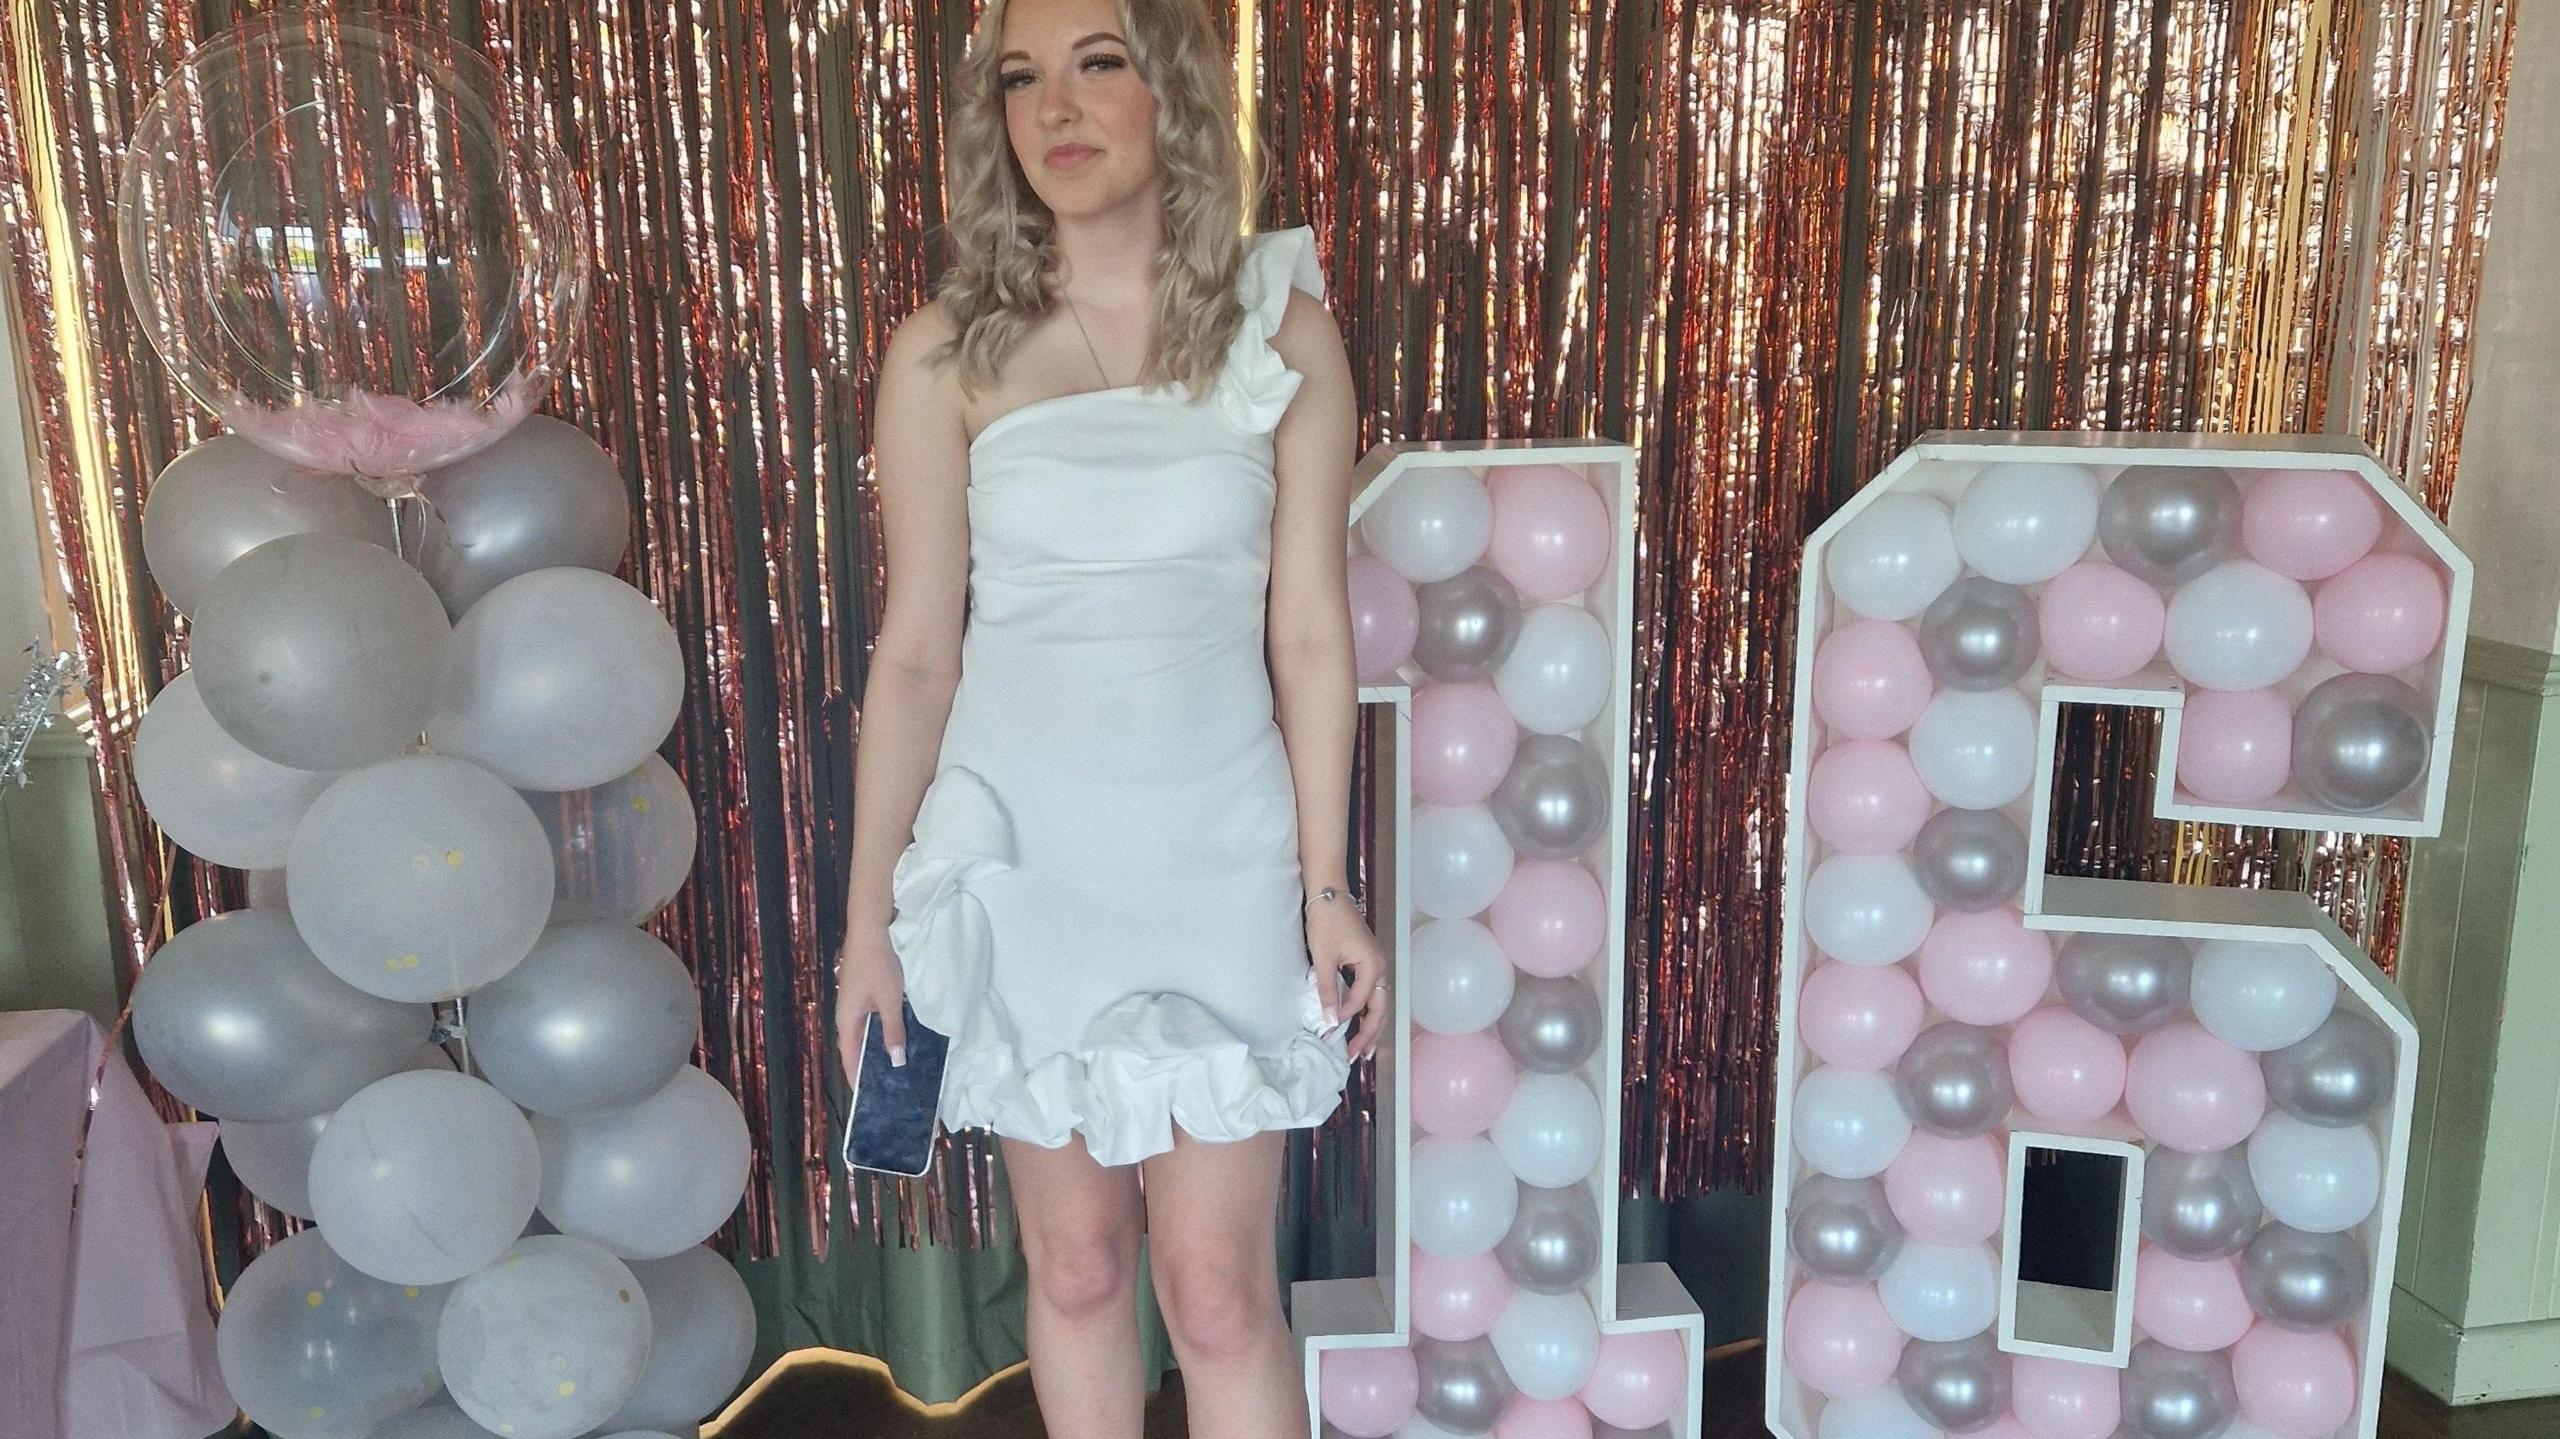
x: 1329, y: 892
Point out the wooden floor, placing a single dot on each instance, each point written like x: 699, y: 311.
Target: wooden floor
x: 856, y: 1400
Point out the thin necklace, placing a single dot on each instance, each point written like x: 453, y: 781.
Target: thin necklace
x: 1088, y: 340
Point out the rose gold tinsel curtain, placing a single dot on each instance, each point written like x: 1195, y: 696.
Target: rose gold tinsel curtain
x: 1769, y: 243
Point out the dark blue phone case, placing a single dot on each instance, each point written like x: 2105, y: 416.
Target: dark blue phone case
x: 894, y: 1107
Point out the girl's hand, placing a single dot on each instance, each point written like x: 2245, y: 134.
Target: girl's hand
x: 869, y: 980
x: 1339, y: 939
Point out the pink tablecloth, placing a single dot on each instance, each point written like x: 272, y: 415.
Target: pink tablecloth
x: 104, y: 1329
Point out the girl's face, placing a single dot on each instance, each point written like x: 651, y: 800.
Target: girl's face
x: 1081, y: 120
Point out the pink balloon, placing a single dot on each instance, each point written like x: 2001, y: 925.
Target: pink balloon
x: 2066, y: 1070
x: 2004, y: 1427
x: 1460, y: 1081
x: 2100, y: 623
x: 1463, y: 741
x: 1549, y: 916
x: 1457, y: 1299
x: 1550, y: 530
x: 1865, y: 798
x: 1869, y: 681
x: 2235, y: 746
x: 2309, y: 524
x: 1949, y: 1191
x: 1985, y: 967
x: 1527, y: 1418
x: 1840, y: 1340
x: 2192, y: 1092
x: 1386, y: 618
x: 2191, y: 1304
x: 1859, y: 1016
x: 1367, y: 1392
x: 2384, y: 614
x: 2302, y: 1386
x: 1639, y: 1379
x: 2057, y: 1399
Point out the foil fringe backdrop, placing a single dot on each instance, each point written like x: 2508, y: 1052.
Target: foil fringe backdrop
x: 1767, y: 243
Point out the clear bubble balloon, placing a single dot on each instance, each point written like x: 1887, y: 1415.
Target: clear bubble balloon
x: 272, y: 1157
x: 598, y: 1015
x: 225, y: 497
x: 2360, y: 742
x: 218, y: 799
x: 621, y: 850
x: 2169, y: 524
x: 649, y: 1179
x: 354, y: 242
x: 562, y: 679
x: 313, y: 1348
x: 424, y: 1177
x: 420, y: 878
x: 547, y: 1342
x: 234, y: 1016
x: 702, y: 1325
x: 321, y: 652
x: 545, y: 495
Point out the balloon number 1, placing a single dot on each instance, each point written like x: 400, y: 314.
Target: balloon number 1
x: 2063, y: 1157
x: 1491, y: 601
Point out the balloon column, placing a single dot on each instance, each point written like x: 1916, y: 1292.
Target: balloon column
x: 434, y: 717
x: 1490, y: 596
x: 1950, y: 1011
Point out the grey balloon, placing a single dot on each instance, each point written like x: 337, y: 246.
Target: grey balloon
x: 2359, y: 742
x: 2171, y: 1394
x: 273, y: 1157
x: 598, y: 1015
x: 562, y: 679
x: 2338, y: 1075
x: 2125, y: 983
x: 1555, y: 800
x: 1954, y: 1081
x: 1970, y: 859
x: 1552, y: 1023
x: 2168, y: 524
x: 225, y: 497
x: 235, y: 1016
x: 1958, y: 1387
x: 1842, y: 1230
x: 546, y: 494
x: 2199, y: 1206
x: 321, y: 652
x: 2309, y: 1282
x: 1980, y: 634
x: 1554, y: 1240
x: 1464, y: 1387
x: 1469, y: 623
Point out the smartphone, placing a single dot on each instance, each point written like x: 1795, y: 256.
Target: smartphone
x: 892, y: 1117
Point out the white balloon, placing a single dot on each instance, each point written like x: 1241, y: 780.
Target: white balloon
x: 1894, y: 558
x: 1548, y: 1343
x: 2022, y: 524
x: 1550, y: 1131
x: 1464, y: 1195
x: 649, y: 1179
x: 1431, y: 523
x: 546, y: 1342
x: 1559, y: 672
x: 1942, y: 1292
x: 272, y: 1157
x: 434, y: 1421
x: 562, y: 679
x: 424, y: 1177
x: 2239, y: 626
x: 702, y: 1324
x: 1460, y: 859
x: 1867, y: 908
x: 2259, y: 996
x: 1847, y: 1122
x: 1976, y: 749
x: 2318, y: 1180
x: 1462, y: 981
x: 219, y: 799
x: 1877, y: 1413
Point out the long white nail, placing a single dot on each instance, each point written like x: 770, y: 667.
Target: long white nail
x: 897, y: 1056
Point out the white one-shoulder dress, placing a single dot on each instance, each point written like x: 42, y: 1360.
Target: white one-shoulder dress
x: 1100, y: 906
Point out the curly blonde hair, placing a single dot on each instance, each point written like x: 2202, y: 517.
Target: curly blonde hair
x: 1003, y: 262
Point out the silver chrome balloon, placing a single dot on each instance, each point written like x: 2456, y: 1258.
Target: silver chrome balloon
x: 1463, y: 1384
x: 2337, y: 1076
x: 1958, y: 1387
x: 1970, y: 859
x: 1554, y: 1240
x: 2199, y: 1206
x: 2172, y: 1394
x: 1469, y: 623
x: 2125, y: 983
x: 2167, y: 524
x: 1842, y: 1230
x: 1980, y: 634
x: 1552, y: 1023
x: 2308, y: 1282
x: 1954, y: 1081
x: 1555, y: 800
x: 545, y: 494
x: 598, y: 1015
x: 2359, y: 742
